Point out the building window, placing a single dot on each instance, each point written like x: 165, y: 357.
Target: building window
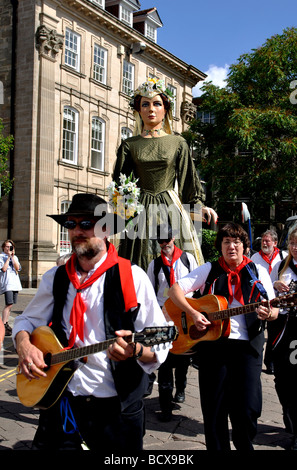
x: 100, y: 62
x: 126, y: 16
x: 99, y: 3
x: 151, y: 32
x: 72, y: 50
x: 97, y: 144
x: 70, y: 135
x: 206, y: 117
x: 65, y: 246
x: 128, y: 77
x: 173, y: 91
x: 125, y: 133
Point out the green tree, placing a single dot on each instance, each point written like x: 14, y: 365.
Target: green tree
x: 6, y: 144
x: 250, y: 150
x: 208, y: 245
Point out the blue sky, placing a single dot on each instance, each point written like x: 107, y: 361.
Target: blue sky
x: 212, y: 34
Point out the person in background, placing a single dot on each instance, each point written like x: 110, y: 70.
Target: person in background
x: 268, y: 257
x: 230, y: 367
x: 62, y: 259
x: 10, y: 267
x: 171, y: 265
x: 167, y: 177
x: 284, y: 278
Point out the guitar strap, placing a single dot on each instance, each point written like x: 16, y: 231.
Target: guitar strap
x: 257, y: 283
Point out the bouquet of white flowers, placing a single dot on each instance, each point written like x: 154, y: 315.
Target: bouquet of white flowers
x: 124, y: 198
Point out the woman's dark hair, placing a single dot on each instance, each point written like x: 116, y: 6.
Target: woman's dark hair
x: 137, y: 99
x: 232, y: 230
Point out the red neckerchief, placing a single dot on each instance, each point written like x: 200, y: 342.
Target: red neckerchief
x: 233, y: 277
x: 79, y: 307
x: 176, y: 254
x: 266, y: 258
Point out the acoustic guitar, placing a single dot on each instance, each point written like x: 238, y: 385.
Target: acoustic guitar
x: 214, y: 308
x: 43, y: 392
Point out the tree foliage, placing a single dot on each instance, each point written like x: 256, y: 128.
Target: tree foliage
x: 250, y: 150
x: 208, y: 245
x: 6, y: 144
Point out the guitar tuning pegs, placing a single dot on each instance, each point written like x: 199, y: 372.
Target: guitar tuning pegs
x: 170, y: 323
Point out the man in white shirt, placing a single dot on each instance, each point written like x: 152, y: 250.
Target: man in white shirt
x: 269, y: 254
x: 171, y: 265
x: 101, y: 300
x: 268, y: 257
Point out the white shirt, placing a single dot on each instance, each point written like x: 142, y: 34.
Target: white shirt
x: 259, y: 261
x: 94, y: 377
x: 180, y: 270
x: 196, y: 280
x: 13, y: 278
x: 287, y: 277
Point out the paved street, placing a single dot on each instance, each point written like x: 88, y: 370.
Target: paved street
x: 183, y: 433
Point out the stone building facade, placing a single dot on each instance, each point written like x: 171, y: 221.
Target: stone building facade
x: 66, y: 69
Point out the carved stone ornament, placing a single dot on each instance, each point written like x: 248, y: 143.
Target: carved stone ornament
x: 48, y: 41
x: 188, y: 111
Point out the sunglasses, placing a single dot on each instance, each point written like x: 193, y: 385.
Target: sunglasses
x: 161, y: 241
x: 83, y: 224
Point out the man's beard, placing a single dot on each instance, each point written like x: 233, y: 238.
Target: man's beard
x: 84, y: 248
x: 167, y: 250
x: 267, y: 250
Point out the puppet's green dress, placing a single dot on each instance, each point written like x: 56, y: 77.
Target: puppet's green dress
x: 168, y: 180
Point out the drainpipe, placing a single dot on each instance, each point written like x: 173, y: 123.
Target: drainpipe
x: 12, y: 109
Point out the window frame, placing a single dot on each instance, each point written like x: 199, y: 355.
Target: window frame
x: 126, y: 132
x: 64, y: 234
x: 126, y: 80
x: 126, y: 12
x: 74, y: 133
x: 94, y: 150
x: 72, y: 53
x: 207, y: 117
x: 149, y: 28
x: 99, y: 3
x: 102, y: 68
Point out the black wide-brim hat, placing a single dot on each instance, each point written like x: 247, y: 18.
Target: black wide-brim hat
x: 91, y: 206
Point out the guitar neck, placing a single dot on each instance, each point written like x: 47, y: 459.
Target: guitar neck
x: 84, y: 351
x: 232, y: 312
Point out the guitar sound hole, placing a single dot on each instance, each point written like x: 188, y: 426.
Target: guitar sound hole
x: 195, y: 333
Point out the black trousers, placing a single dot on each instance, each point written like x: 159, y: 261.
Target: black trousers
x: 180, y: 365
x: 230, y: 386
x: 285, y: 372
x: 273, y: 329
x: 100, y: 422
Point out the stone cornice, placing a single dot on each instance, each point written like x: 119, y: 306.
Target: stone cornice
x: 130, y: 36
